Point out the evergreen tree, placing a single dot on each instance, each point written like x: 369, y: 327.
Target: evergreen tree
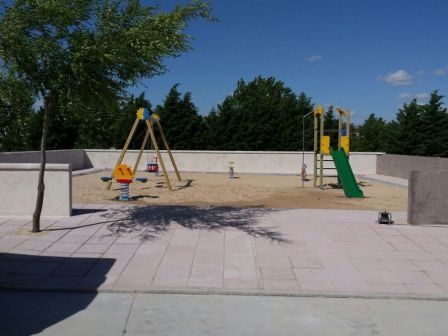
x: 433, y: 127
x: 372, y: 135
x: 263, y: 114
x: 182, y: 125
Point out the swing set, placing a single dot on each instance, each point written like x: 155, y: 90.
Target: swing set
x: 123, y: 173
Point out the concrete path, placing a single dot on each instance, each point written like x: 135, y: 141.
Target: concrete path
x: 180, y: 248
x: 395, y: 181
x: 109, y: 314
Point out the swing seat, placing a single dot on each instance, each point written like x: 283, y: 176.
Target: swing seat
x: 106, y: 178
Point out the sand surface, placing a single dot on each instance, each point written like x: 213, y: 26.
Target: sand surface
x: 247, y: 190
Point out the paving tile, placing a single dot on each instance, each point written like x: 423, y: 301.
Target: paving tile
x: 377, y: 277
x: 33, y: 280
x: 122, y: 249
x: 39, y: 267
x: 64, y: 247
x: 425, y: 289
x: 240, y: 283
x: 431, y: 266
x: 268, y: 261
x: 73, y: 269
x: 9, y: 242
x: 398, y: 289
x: 93, y: 248
x: 173, y: 271
x: 239, y: 272
x: 399, y: 265
x: 133, y: 281
x: 61, y: 281
x: 176, y: 282
x: 280, y: 285
x: 440, y: 278
x: 34, y: 245
x: 305, y: 262
x: 277, y: 273
x: 206, y: 282
x: 11, y: 265
x: 6, y: 279
x: 412, y: 277
x: 308, y: 275
x: 199, y: 270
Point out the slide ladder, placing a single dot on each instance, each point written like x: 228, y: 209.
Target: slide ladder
x: 346, y: 176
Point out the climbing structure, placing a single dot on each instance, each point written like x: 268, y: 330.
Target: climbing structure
x: 340, y: 157
x: 151, y: 120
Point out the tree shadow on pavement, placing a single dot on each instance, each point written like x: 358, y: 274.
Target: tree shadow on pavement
x: 149, y: 222
x: 27, y: 312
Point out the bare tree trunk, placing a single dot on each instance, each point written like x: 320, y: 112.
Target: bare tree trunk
x: 48, y: 106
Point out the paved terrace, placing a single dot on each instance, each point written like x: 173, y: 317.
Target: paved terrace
x: 218, y: 249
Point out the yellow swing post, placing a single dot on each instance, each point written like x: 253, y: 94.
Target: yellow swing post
x: 167, y: 147
x: 149, y: 124
x: 125, y: 148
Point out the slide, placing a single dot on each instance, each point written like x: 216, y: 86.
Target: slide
x: 351, y: 188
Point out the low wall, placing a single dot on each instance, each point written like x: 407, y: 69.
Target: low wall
x: 402, y: 165
x: 428, y: 197
x: 18, y: 189
x: 76, y: 157
x: 244, y: 161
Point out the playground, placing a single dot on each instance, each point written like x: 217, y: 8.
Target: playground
x: 246, y: 190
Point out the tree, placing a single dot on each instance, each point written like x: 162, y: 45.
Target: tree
x: 15, y: 111
x: 87, y: 50
x: 372, y: 135
x: 434, y: 121
x: 407, y: 130
x: 182, y: 123
x: 263, y: 114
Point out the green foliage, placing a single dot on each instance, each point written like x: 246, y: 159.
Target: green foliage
x: 15, y: 110
x: 263, y: 114
x: 182, y: 125
x: 372, y: 135
x: 79, y: 56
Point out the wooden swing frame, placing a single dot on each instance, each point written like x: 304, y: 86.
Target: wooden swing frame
x: 150, y: 123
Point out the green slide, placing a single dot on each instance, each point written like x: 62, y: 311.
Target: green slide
x: 345, y: 173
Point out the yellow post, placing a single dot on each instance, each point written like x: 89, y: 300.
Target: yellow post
x: 315, y: 151
x: 125, y: 148
x: 321, y: 173
x: 167, y: 147
x: 145, y: 140
x: 156, y: 147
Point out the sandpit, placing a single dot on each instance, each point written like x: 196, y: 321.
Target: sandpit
x: 247, y: 190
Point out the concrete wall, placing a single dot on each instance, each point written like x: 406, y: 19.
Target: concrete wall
x: 428, y: 197
x: 76, y: 157
x: 402, y: 165
x: 18, y: 189
x: 245, y: 161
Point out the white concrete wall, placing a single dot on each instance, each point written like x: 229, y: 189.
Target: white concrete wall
x: 245, y: 162
x: 76, y: 157
x: 18, y: 189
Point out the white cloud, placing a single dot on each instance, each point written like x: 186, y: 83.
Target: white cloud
x: 422, y: 96
x: 441, y: 71
x: 404, y: 95
x: 314, y: 58
x: 409, y: 96
x: 397, y: 78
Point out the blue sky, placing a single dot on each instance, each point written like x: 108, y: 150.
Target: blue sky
x: 365, y: 55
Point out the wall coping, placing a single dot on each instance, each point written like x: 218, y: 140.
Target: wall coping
x: 35, y: 166
x: 228, y: 152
